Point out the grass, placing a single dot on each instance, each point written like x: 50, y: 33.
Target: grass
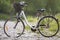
x: 27, y: 28
x: 58, y: 17
x: 3, y: 16
x: 30, y: 19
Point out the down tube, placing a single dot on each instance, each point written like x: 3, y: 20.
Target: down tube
x: 26, y: 19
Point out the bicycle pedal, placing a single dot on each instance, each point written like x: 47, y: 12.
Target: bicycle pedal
x: 34, y: 30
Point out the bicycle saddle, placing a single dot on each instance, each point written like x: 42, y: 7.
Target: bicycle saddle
x: 41, y: 10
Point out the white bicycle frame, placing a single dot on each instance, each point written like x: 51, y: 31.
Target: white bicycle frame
x: 23, y: 14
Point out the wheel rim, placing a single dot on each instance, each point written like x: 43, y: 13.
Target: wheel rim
x: 9, y: 28
x: 51, y: 30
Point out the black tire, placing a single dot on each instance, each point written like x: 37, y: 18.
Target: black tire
x: 14, y: 23
x: 41, y: 31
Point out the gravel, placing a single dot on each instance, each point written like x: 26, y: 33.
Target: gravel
x: 28, y: 35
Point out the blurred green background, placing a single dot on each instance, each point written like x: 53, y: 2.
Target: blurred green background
x: 51, y: 6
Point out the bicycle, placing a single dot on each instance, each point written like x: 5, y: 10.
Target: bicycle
x: 47, y: 26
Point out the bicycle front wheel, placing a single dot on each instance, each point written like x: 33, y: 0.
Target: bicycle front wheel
x: 48, y: 26
x: 14, y: 27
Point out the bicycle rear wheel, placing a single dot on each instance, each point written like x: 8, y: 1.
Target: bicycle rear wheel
x: 48, y: 26
x: 9, y: 29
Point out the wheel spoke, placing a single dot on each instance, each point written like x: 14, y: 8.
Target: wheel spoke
x: 9, y: 27
x: 48, y: 26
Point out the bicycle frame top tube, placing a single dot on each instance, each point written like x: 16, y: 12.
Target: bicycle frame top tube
x: 22, y: 14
